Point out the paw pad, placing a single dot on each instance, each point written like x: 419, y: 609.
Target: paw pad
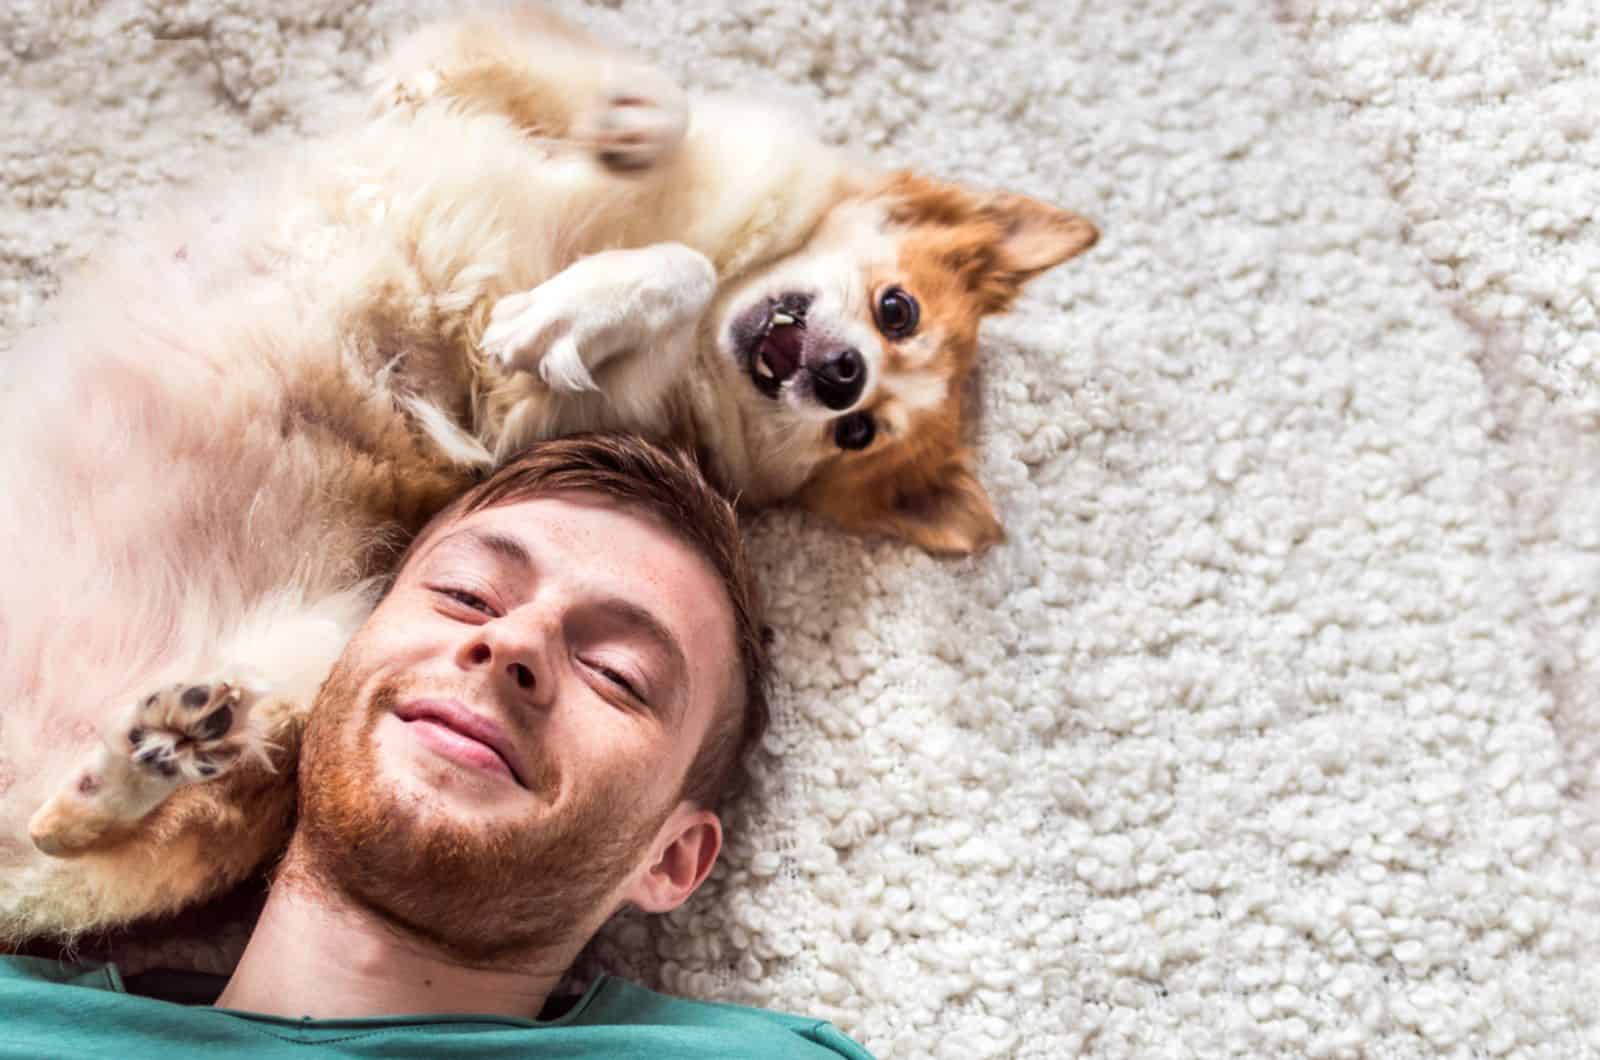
x: 188, y: 730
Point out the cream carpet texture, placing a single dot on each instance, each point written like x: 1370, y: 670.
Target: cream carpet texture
x: 1274, y: 731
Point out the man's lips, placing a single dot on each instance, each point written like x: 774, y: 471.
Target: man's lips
x: 452, y: 730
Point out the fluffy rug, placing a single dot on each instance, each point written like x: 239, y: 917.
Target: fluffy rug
x: 1275, y: 728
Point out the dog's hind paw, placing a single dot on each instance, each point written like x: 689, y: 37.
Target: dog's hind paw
x: 184, y: 734
x: 190, y: 732
x: 639, y: 120
x: 404, y: 93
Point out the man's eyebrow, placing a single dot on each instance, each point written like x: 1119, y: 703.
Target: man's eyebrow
x: 493, y: 541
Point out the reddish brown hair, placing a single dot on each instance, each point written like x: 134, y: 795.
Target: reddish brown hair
x: 669, y: 486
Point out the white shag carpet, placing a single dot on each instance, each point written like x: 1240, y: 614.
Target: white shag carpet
x: 1275, y: 729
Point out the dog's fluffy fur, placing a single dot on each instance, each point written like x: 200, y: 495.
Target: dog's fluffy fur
x: 239, y: 421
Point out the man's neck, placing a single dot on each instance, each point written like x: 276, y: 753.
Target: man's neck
x: 314, y: 955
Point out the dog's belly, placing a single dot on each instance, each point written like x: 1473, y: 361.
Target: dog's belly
x: 178, y: 455
x: 134, y: 531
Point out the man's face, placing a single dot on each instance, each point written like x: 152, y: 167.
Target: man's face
x: 497, y: 756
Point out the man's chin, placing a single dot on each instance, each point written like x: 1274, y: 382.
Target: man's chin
x: 482, y: 869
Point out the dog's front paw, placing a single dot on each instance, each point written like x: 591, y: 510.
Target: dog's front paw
x: 535, y: 332
x: 639, y: 119
x: 189, y: 732
x: 607, y: 305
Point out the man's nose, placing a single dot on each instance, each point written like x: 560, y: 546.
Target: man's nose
x: 515, y: 659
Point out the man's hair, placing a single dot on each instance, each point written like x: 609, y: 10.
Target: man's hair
x: 668, y: 485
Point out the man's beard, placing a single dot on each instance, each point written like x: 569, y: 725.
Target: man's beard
x: 484, y: 894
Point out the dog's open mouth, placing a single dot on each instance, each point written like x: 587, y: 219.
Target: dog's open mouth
x: 776, y: 347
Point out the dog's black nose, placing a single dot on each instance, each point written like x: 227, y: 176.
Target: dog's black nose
x: 838, y: 381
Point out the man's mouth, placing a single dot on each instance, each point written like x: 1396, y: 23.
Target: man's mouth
x: 450, y: 729
x: 776, y: 346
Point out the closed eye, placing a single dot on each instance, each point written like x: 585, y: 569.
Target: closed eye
x: 466, y: 599
x: 619, y: 679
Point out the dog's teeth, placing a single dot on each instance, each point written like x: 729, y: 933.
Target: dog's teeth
x: 763, y: 369
x: 782, y: 319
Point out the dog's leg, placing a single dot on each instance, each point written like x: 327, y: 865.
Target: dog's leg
x: 547, y: 76
x: 194, y: 731
x: 180, y: 735
x: 644, y: 302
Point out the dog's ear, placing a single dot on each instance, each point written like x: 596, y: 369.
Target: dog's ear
x: 952, y: 516
x: 994, y: 241
x: 947, y: 512
x: 1035, y: 236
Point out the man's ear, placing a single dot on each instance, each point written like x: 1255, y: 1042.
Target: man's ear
x: 947, y: 513
x: 686, y: 847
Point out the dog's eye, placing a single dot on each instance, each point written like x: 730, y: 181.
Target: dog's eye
x: 854, y: 431
x: 898, y: 313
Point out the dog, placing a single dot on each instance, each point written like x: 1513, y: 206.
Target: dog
x: 218, y: 451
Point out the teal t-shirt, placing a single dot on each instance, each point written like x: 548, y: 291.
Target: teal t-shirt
x: 53, y: 1010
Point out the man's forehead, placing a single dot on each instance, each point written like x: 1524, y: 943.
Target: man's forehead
x: 520, y: 528
x: 524, y: 520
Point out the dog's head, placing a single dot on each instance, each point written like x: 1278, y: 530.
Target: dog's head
x: 859, y: 345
